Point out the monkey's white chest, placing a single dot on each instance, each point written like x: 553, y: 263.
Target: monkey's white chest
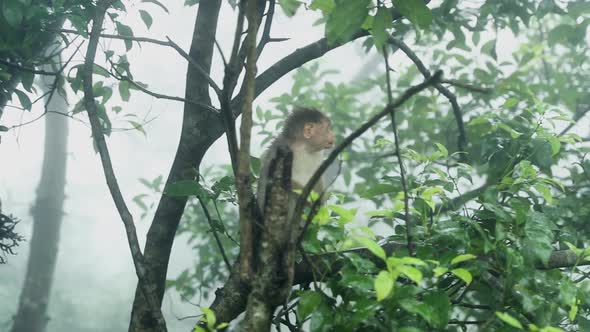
x: 304, y: 165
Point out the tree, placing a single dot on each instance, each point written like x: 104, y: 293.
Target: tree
x: 47, y: 216
x: 482, y: 230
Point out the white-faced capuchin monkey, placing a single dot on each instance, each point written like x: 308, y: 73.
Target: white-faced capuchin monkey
x: 307, y: 132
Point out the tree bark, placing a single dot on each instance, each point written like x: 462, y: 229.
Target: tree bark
x: 47, y: 217
x: 200, y: 128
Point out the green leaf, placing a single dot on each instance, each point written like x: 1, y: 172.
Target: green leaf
x: 489, y: 48
x: 576, y: 9
x: 346, y: 215
x: 411, y: 272
x: 372, y: 246
x: 439, y: 271
x: 189, y: 3
x: 573, y: 310
x: 326, y: 6
x: 146, y: 18
x: 412, y: 261
x: 506, y: 318
x: 560, y: 34
x: 137, y: 127
x: 24, y: 100
x: 545, y: 192
x: 555, y: 144
x: 346, y: 19
x: 541, y: 157
x: 13, y: 14
x: 124, y: 90
x: 308, y: 302
x: 416, y: 11
x: 184, y: 188
x: 381, y: 23
x: 210, y: 317
x: 415, y: 307
x: 463, y: 275
x: 289, y: 6
x: 3, y: 128
x: 383, y: 285
x: 462, y: 258
x: 125, y: 30
x: 157, y: 3
x: 443, y: 150
x: 441, y: 307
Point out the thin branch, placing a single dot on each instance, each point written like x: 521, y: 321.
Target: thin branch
x: 27, y: 69
x: 196, y: 66
x: 354, y: 135
x: 111, y: 36
x: 215, y: 235
x: 168, y: 43
x: 467, y: 86
x: 462, y: 138
x: 121, y: 77
x: 126, y: 217
x: 221, y: 53
x: 59, y: 72
x: 267, y: 25
x: 402, y: 171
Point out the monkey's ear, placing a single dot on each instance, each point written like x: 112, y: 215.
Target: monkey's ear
x: 308, y: 130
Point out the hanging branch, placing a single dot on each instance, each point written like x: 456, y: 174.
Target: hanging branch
x: 246, y: 199
x: 462, y: 138
x: 90, y: 103
x: 402, y: 171
x: 354, y: 135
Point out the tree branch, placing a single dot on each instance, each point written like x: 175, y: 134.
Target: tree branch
x: 467, y: 86
x: 398, y: 155
x: 121, y: 77
x: 245, y: 195
x: 126, y: 217
x: 462, y: 138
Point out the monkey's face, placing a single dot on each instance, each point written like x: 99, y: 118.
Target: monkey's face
x: 319, y: 135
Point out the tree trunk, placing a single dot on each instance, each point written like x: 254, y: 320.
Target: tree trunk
x: 200, y: 128
x: 47, y: 217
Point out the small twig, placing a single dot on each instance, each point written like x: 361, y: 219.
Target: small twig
x: 474, y: 306
x: 215, y: 235
x: 59, y: 72
x: 462, y: 138
x: 121, y: 77
x: 400, y: 161
x: 168, y: 43
x: 467, y: 86
x: 466, y: 322
x: 27, y: 69
x: 196, y: 66
x: 221, y: 53
x: 267, y: 25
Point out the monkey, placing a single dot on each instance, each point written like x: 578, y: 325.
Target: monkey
x: 307, y: 132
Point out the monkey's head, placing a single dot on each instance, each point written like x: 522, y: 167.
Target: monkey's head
x: 310, y: 127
